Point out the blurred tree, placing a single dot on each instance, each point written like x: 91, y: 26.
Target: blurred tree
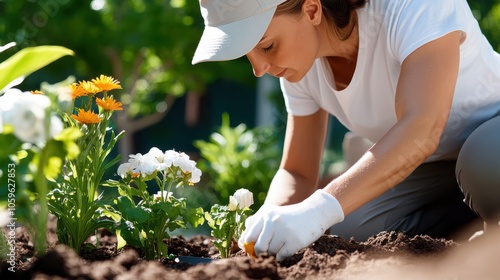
x: 487, y: 13
x: 146, y: 44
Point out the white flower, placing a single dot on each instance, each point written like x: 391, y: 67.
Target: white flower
x: 159, y: 159
x: 240, y: 199
x: 142, y: 164
x: 186, y: 166
x: 171, y: 155
x: 156, y: 160
x: 27, y: 114
x: 156, y: 153
x: 166, y: 196
x: 195, y: 175
x: 182, y: 161
x: 124, y: 169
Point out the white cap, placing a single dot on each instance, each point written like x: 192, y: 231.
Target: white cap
x: 232, y: 27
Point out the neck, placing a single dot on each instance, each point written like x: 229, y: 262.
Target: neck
x: 334, y: 46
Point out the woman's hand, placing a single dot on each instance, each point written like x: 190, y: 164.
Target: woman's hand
x: 283, y: 230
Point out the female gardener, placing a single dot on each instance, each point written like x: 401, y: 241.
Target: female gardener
x: 416, y: 78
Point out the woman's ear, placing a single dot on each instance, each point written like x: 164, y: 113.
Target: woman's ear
x: 312, y: 10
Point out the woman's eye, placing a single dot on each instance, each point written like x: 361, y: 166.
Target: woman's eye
x: 268, y: 49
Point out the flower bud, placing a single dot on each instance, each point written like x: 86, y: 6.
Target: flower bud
x: 242, y: 198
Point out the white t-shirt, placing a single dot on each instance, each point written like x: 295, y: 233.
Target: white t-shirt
x: 390, y: 30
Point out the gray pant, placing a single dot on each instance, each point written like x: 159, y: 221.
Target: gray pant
x: 478, y: 170
x: 430, y: 200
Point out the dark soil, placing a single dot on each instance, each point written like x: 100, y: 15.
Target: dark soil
x: 388, y: 255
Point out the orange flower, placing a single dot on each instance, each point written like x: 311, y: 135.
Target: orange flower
x: 249, y: 249
x: 89, y: 88
x: 106, y: 83
x: 36, y: 92
x: 109, y: 104
x: 76, y: 90
x: 86, y: 117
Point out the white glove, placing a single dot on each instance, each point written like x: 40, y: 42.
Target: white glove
x: 283, y: 230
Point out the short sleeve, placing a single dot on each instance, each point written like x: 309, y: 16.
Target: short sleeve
x: 412, y: 24
x: 297, y: 100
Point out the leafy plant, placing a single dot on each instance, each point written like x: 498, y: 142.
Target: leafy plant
x: 75, y: 200
x: 146, y: 223
x: 228, y: 221
x: 238, y: 157
x: 33, y: 141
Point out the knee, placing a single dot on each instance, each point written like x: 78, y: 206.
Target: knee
x: 478, y: 170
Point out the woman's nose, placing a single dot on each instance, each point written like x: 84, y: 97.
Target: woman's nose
x: 260, y: 66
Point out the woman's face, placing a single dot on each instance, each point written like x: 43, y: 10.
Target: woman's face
x: 288, y: 48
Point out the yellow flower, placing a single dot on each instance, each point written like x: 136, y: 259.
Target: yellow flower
x: 76, y: 90
x: 106, y: 83
x: 86, y: 117
x: 89, y: 88
x: 109, y: 104
x: 36, y: 92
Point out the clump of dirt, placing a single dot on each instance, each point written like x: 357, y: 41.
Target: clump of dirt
x: 388, y: 255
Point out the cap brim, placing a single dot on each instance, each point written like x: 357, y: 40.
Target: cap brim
x: 232, y: 40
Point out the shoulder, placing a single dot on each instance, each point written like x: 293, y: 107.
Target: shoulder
x: 391, y: 8
x: 408, y: 24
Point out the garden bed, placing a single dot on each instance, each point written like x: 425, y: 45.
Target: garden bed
x: 387, y: 255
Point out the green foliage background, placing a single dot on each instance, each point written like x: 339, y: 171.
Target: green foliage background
x: 146, y: 44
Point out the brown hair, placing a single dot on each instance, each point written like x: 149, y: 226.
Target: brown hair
x: 341, y: 13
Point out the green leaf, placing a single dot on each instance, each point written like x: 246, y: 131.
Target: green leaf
x: 163, y: 249
x: 210, y: 221
x: 124, y: 203
x: 195, y: 216
x: 53, y: 167
x: 72, y: 149
x: 171, y: 210
x: 28, y: 60
x: 137, y: 215
x: 55, y: 156
x: 69, y: 134
x: 9, y: 143
x: 131, y: 236
x: 111, y: 214
x: 121, y: 241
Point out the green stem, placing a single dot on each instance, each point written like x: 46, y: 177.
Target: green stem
x: 42, y: 189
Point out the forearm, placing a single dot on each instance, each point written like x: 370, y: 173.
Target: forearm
x: 288, y: 188
x: 386, y: 164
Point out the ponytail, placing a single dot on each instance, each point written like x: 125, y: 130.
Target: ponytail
x: 342, y: 14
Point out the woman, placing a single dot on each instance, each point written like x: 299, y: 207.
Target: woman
x: 417, y: 78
